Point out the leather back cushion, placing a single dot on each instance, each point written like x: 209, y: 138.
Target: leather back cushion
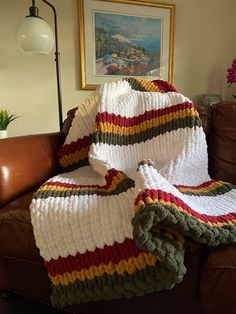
x: 222, y: 142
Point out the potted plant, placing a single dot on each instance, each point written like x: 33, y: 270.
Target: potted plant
x: 5, y: 119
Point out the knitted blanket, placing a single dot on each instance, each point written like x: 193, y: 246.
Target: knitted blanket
x: 135, y: 185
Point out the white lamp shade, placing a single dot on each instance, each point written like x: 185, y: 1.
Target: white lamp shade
x: 34, y: 35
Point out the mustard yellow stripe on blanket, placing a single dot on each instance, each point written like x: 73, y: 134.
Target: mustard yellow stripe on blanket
x: 108, y: 127
x: 130, y: 266
x: 75, y: 157
x: 210, y: 187
x: 148, y: 85
x: 119, y: 178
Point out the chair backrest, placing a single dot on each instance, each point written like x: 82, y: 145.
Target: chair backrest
x: 219, y: 124
x: 222, y: 142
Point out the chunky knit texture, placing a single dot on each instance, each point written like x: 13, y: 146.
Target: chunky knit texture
x: 135, y: 183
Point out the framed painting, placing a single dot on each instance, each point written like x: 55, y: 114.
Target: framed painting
x: 121, y: 38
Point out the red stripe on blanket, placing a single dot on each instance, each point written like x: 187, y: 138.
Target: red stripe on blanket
x: 168, y: 197
x: 166, y: 86
x: 203, y: 185
x: 114, y: 254
x: 148, y: 115
x: 75, y: 146
x: 111, y: 174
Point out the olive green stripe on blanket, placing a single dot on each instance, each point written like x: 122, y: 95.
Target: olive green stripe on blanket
x: 117, y: 139
x: 136, y: 85
x: 150, y: 215
x: 125, y: 185
x: 76, y: 164
x: 219, y: 190
x: 108, y: 287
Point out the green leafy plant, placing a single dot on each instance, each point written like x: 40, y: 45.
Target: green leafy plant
x: 6, y: 117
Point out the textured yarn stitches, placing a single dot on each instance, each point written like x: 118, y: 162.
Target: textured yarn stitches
x: 135, y: 184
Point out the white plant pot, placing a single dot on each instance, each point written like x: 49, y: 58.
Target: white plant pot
x: 3, y: 134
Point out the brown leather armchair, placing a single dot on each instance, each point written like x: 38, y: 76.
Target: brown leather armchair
x: 27, y: 161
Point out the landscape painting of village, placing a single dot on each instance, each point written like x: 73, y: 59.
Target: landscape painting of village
x: 127, y: 44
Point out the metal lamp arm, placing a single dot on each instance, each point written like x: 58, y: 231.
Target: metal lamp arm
x: 55, y: 22
x: 57, y: 60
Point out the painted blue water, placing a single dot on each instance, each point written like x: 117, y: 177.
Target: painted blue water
x: 151, y: 44
x: 143, y: 31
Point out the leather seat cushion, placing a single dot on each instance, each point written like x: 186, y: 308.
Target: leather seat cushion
x: 17, y: 231
x: 218, y: 277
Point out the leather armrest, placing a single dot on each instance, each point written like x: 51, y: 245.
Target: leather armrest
x: 26, y: 162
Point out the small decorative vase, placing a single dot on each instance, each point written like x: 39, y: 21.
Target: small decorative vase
x: 3, y: 134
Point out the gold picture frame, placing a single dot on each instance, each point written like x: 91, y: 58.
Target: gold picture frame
x: 125, y: 38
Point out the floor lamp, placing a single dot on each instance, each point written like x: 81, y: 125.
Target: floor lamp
x: 35, y: 36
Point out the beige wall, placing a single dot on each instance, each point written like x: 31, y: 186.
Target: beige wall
x: 204, y: 48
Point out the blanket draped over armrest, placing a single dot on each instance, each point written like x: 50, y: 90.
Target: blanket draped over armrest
x: 135, y: 184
